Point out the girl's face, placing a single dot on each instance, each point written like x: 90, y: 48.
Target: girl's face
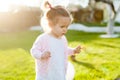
x: 61, y: 27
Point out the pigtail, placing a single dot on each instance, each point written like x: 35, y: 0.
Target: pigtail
x: 46, y: 6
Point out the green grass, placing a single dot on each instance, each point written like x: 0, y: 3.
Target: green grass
x: 99, y: 60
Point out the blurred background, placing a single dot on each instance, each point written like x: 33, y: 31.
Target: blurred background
x: 20, y: 26
x: 23, y: 14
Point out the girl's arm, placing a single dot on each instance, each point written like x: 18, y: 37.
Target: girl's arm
x: 37, y: 48
x: 71, y: 51
x: 68, y: 50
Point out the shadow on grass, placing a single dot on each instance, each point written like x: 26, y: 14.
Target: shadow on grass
x: 88, y: 65
x: 118, y: 78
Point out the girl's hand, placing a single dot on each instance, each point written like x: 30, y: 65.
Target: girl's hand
x: 46, y: 55
x: 77, y: 50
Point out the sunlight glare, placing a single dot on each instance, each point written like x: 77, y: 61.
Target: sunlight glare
x: 5, y: 4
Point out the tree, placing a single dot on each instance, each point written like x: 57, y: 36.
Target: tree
x: 112, y: 17
x: 110, y: 24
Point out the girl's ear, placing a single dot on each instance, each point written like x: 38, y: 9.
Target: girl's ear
x: 51, y: 24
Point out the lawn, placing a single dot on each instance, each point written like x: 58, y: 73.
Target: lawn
x: 99, y: 60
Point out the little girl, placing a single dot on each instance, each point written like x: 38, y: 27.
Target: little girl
x: 50, y: 49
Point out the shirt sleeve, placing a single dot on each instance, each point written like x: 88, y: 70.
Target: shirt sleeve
x: 37, y: 48
x: 69, y: 50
